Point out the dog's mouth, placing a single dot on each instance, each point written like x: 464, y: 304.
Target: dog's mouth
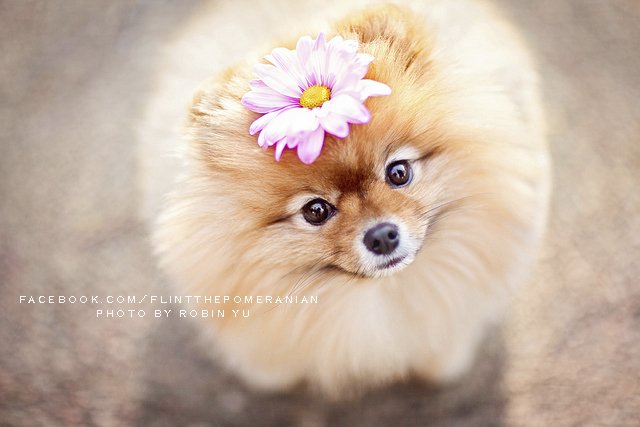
x: 391, y: 263
x: 385, y: 268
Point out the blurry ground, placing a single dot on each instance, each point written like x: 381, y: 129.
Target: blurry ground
x: 73, y: 76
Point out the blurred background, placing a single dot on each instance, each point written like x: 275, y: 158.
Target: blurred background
x: 74, y: 76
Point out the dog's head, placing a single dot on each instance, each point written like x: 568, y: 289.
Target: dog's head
x: 370, y: 203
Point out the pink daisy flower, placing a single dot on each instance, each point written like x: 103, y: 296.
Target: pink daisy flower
x: 318, y: 87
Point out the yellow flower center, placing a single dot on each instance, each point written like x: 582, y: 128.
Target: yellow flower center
x: 314, y: 96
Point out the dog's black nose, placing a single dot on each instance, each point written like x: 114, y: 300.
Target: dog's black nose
x: 382, y: 239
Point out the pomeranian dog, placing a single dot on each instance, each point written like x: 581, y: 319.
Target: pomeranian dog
x: 413, y: 232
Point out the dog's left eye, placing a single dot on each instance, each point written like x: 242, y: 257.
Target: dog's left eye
x: 399, y: 173
x: 317, y: 211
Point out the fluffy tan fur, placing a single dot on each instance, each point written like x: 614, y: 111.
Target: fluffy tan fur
x: 464, y: 109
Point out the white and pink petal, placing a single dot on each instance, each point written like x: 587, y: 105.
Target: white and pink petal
x: 335, y: 125
x: 277, y: 128
x: 261, y: 101
x: 366, y: 88
x: 303, y: 50
x: 287, y: 61
x: 259, y: 123
x: 309, y: 149
x: 350, y: 108
x: 278, y: 80
x: 300, y: 121
x: 280, y: 146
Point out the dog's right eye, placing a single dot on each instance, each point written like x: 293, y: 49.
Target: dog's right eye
x: 317, y: 211
x: 399, y: 174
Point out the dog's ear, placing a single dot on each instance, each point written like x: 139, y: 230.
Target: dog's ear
x: 218, y: 123
x: 391, y: 31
